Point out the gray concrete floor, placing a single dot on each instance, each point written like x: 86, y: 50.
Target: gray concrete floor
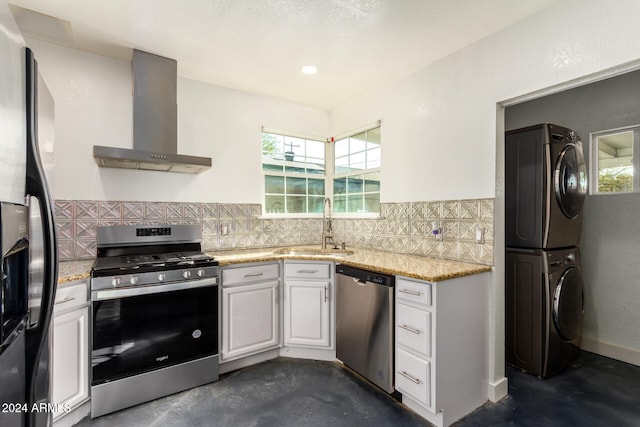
x: 595, y: 391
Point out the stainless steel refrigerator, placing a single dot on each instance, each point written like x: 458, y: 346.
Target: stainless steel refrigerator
x: 28, y: 241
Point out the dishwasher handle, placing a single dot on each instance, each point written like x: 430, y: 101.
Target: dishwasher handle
x: 359, y: 282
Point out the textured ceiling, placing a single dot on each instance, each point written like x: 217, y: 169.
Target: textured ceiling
x: 260, y: 46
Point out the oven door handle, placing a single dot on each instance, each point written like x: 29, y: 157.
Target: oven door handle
x: 106, y: 294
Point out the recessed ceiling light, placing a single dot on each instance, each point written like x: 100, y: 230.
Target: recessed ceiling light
x: 309, y: 69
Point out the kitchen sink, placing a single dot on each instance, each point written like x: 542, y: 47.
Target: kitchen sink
x: 314, y: 252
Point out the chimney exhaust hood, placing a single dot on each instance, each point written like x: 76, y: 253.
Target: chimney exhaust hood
x: 155, y: 115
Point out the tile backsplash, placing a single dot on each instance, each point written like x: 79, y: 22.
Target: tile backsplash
x: 401, y: 228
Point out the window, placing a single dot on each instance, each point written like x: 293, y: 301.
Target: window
x: 299, y: 174
x: 614, y: 157
x: 294, y: 174
x: 356, y: 177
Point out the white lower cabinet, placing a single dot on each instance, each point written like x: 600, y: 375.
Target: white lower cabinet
x: 70, y: 359
x: 250, y: 310
x: 442, y: 346
x: 308, y: 304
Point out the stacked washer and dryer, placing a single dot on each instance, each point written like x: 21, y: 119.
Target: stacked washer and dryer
x: 546, y: 184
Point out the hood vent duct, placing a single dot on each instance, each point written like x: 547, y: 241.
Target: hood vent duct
x: 155, y: 115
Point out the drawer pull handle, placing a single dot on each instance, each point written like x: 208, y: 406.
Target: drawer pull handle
x: 325, y: 294
x: 254, y: 274
x: 407, y: 291
x: 409, y: 377
x: 67, y: 299
x: 307, y: 271
x: 410, y: 329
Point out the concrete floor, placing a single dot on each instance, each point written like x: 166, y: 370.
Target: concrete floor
x: 595, y: 391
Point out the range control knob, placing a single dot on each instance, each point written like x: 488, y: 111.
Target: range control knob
x: 161, y: 277
x: 571, y: 257
x: 186, y: 274
x: 115, y: 282
x: 133, y: 280
x: 200, y: 272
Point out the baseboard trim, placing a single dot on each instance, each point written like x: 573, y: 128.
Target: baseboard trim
x: 612, y: 351
x: 498, y: 390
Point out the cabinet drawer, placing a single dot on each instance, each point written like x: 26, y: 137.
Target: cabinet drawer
x: 307, y: 270
x: 413, y: 377
x: 71, y: 296
x: 413, y: 329
x: 418, y: 292
x: 250, y: 274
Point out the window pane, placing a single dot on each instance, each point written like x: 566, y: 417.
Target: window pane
x: 358, y: 161
x: 354, y: 184
x: 339, y: 203
x: 315, y: 204
x: 274, y: 184
x: 372, y: 202
x: 342, y: 165
x: 372, y: 182
x: 316, y: 187
x: 272, y: 145
x: 274, y: 204
x: 315, y: 149
x: 296, y: 185
x: 373, y: 158
x: 315, y: 165
x: 615, y: 162
x: 354, y: 204
x: 340, y: 186
x: 373, y: 136
x: 358, y: 142
x: 341, y: 147
x: 296, y: 204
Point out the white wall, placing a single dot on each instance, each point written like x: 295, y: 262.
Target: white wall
x: 94, y: 107
x: 439, y: 124
x: 442, y: 127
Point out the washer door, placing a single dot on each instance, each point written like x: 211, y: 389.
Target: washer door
x: 570, y: 180
x: 568, y: 305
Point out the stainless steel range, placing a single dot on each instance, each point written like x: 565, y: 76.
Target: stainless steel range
x: 154, y: 296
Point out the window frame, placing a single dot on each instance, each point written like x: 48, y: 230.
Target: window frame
x: 329, y: 173
x: 594, y: 167
x: 360, y: 172
x: 286, y: 174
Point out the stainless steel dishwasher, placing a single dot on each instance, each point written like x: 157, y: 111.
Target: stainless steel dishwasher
x: 364, y: 323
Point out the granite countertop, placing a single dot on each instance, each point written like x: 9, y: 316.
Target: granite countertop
x: 418, y: 267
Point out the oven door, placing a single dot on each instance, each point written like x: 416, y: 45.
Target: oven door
x: 137, y: 330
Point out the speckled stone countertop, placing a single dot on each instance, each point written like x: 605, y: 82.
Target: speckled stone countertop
x: 418, y: 267
x: 69, y: 271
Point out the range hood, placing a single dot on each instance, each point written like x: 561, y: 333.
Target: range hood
x: 155, y: 114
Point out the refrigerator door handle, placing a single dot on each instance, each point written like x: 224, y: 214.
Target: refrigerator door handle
x: 36, y: 186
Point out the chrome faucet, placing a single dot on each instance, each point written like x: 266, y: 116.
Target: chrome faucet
x: 327, y: 230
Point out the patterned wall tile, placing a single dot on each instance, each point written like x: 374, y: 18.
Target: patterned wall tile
x: 432, y: 210
x: 66, y: 229
x: 64, y: 209
x: 485, y: 209
x: 192, y: 210
x: 86, y: 209
x: 85, y: 248
x: 210, y: 210
x: 402, y: 228
x: 468, y: 209
x: 155, y: 212
x: 174, y: 211
x: 449, y: 209
x: 86, y: 229
x: 132, y: 211
x: 110, y: 210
